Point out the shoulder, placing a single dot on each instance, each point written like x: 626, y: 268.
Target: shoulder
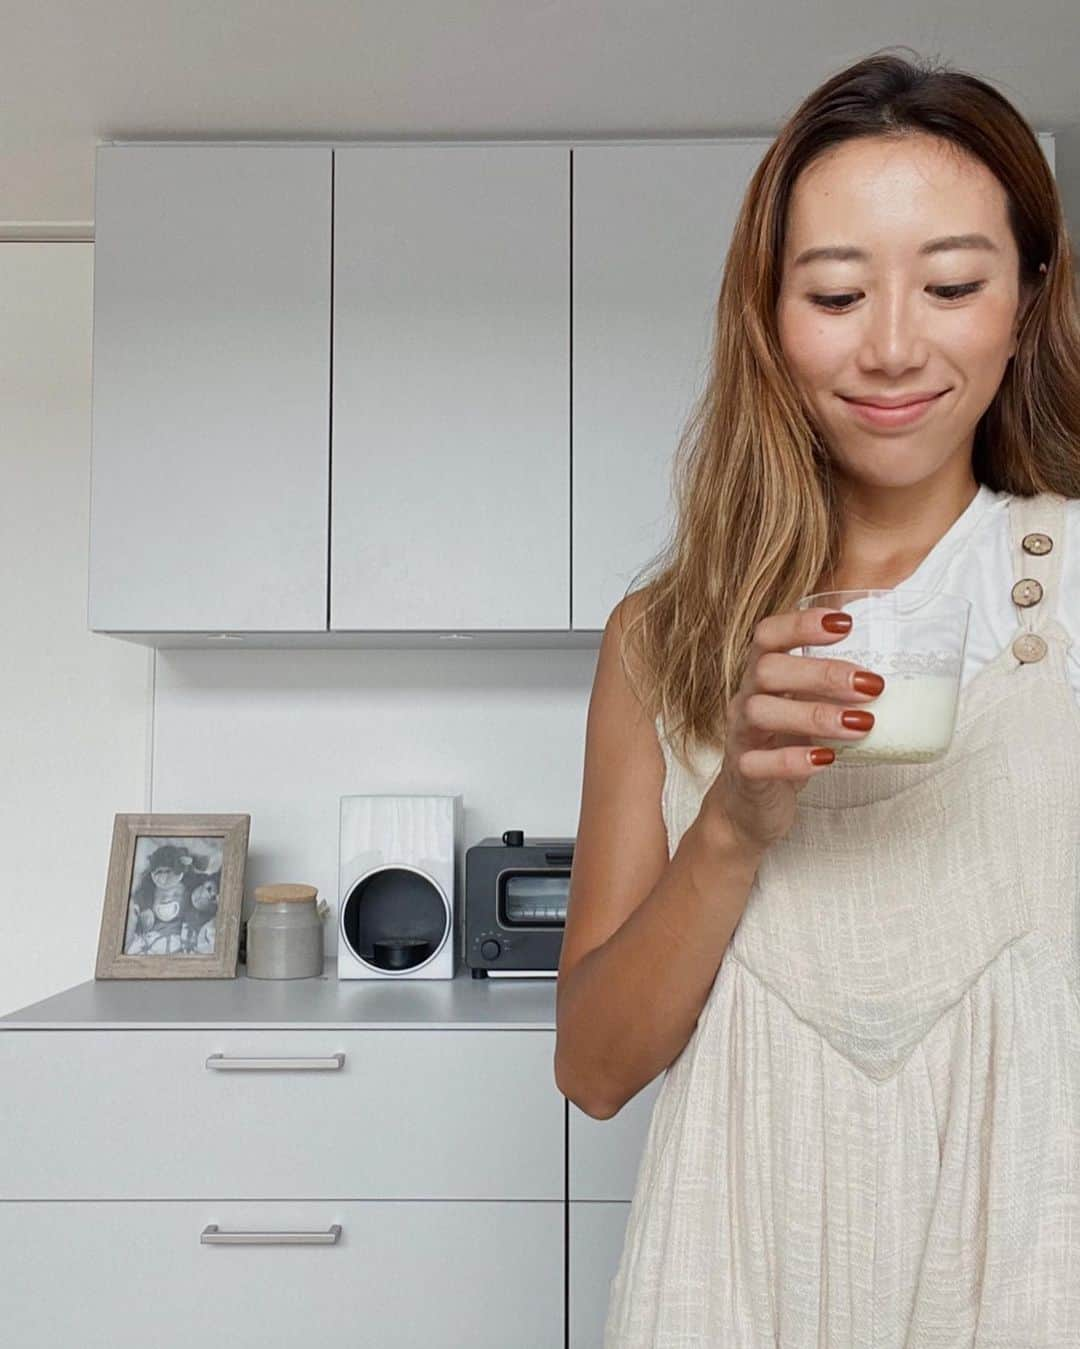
x: 1070, y: 561
x: 629, y: 609
x: 1069, y: 523
x: 1068, y: 526
x: 1068, y: 606
x: 623, y: 636
x: 619, y: 715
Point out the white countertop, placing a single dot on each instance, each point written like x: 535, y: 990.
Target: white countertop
x: 461, y: 1003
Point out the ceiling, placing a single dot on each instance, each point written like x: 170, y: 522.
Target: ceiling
x: 76, y: 72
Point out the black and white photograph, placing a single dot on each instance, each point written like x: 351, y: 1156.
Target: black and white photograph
x: 175, y: 887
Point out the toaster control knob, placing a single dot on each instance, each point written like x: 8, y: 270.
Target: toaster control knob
x: 514, y: 838
x: 490, y: 949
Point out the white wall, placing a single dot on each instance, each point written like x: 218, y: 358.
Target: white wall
x: 283, y: 735
x: 92, y: 726
x: 73, y: 706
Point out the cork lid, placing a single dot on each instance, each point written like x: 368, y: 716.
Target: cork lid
x: 284, y: 894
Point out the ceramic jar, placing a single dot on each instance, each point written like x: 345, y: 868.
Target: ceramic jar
x: 285, y: 933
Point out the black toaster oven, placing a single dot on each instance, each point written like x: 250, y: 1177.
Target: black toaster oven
x: 516, y: 891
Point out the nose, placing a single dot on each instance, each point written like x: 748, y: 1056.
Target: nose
x: 892, y: 340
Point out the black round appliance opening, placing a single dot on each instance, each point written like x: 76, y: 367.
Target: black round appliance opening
x: 394, y: 919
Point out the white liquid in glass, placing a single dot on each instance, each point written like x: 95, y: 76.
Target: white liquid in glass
x: 914, y: 718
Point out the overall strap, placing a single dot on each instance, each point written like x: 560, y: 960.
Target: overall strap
x: 1037, y: 531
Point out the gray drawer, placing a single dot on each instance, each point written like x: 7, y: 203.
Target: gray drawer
x: 605, y: 1153
x: 597, y: 1234
x: 443, y: 1114
x: 398, y: 1276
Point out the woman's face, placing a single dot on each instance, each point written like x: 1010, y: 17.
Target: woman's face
x: 898, y: 320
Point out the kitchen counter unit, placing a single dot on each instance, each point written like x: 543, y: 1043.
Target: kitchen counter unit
x: 461, y: 1003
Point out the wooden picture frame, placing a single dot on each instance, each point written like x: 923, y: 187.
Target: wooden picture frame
x: 173, y: 897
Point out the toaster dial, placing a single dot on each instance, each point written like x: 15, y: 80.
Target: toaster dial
x: 490, y: 949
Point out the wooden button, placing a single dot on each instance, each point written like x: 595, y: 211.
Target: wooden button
x: 1037, y: 544
x: 1029, y: 647
x: 1027, y: 592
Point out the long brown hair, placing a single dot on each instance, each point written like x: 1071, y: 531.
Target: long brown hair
x: 757, y: 518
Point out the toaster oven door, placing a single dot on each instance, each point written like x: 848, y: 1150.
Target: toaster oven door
x: 533, y: 898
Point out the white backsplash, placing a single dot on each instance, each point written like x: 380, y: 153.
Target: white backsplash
x: 282, y: 735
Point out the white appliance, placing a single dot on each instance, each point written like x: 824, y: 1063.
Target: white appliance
x: 398, y: 886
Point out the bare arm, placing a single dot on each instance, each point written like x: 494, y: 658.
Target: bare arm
x: 644, y: 934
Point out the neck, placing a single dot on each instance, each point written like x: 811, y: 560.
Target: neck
x: 885, y: 535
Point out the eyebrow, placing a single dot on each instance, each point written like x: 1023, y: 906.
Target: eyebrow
x: 849, y: 253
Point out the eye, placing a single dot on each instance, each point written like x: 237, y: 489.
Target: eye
x: 835, y: 303
x: 957, y: 292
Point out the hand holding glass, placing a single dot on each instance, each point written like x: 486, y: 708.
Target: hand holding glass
x: 915, y: 640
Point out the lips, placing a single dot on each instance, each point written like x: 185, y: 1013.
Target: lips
x: 894, y: 403
x: 894, y: 414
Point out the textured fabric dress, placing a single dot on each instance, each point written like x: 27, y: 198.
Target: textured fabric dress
x: 871, y: 1139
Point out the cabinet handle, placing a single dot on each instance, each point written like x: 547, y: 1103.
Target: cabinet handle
x: 330, y: 1064
x: 213, y: 1236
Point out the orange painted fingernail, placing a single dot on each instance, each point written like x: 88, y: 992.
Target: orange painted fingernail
x: 838, y: 622
x: 820, y: 757
x: 855, y: 719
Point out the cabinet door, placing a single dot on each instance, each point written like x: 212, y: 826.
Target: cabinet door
x: 208, y: 502
x: 398, y: 1276
x: 604, y: 1154
x: 597, y: 1234
x: 357, y: 1114
x: 451, y: 460
x: 651, y: 225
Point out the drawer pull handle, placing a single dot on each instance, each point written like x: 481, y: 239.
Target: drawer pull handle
x: 213, y: 1236
x: 330, y: 1064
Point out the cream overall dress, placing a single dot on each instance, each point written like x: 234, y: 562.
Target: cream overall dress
x: 872, y: 1137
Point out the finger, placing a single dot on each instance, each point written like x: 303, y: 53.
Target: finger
x: 768, y: 713
x: 823, y: 677
x: 792, y: 628
x: 791, y: 763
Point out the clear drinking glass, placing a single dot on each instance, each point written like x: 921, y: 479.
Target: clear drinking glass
x: 915, y: 640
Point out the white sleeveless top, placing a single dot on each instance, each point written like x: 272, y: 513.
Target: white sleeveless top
x: 871, y: 1139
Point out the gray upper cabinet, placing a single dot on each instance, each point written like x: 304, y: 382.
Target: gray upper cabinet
x: 451, y: 457
x: 210, y: 432
x: 652, y: 223
x: 396, y: 389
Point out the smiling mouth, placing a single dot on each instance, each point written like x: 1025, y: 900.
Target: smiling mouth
x: 894, y: 417
x: 889, y: 407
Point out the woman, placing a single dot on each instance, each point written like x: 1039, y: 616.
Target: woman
x: 863, y: 983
